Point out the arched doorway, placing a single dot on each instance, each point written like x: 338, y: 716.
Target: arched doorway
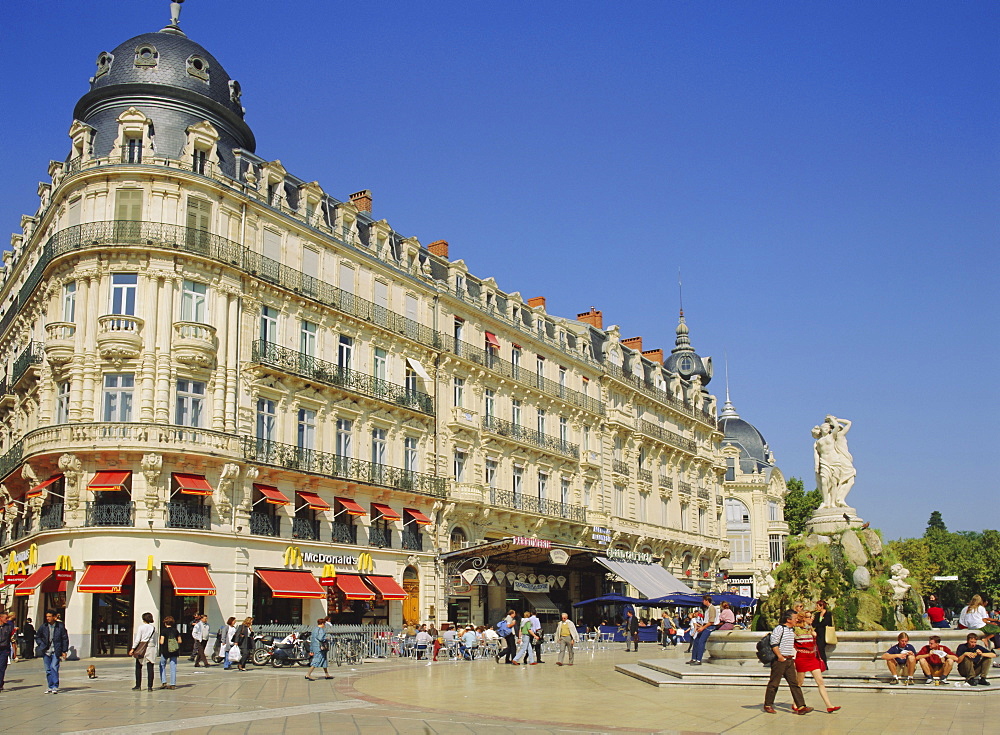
x: 411, y: 605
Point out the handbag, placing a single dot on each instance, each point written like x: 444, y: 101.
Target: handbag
x: 139, y: 652
x: 831, y: 635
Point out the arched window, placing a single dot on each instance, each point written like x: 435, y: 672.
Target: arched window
x: 738, y: 532
x: 458, y: 539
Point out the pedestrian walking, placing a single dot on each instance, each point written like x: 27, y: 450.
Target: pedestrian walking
x: 144, y: 651
x: 822, y: 623
x: 6, y: 635
x: 224, y: 637
x: 526, y: 640
x: 539, y: 639
x: 26, y: 633
x: 566, y: 638
x: 170, y: 650
x: 243, y: 639
x: 53, y: 641
x: 783, y: 666
x: 630, y: 629
x: 510, y: 637
x: 200, y: 632
x: 319, y: 647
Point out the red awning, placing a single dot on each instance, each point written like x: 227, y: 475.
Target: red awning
x: 37, y: 489
x: 387, y: 587
x: 491, y: 339
x: 294, y: 584
x: 418, y: 517
x: 354, y: 587
x: 192, y: 484
x: 109, y: 480
x: 386, y: 512
x: 352, y: 508
x: 190, y: 579
x: 314, y: 501
x: 272, y: 494
x: 104, y: 578
x: 35, y: 579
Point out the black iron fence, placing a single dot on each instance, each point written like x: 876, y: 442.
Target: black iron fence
x: 540, y: 506
x: 110, y: 514
x: 530, y: 436
x: 264, y: 524
x: 189, y: 515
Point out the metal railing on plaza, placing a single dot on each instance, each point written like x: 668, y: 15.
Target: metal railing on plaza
x: 110, y: 514
x: 530, y: 436
x: 536, y: 505
x: 321, y: 371
x: 314, y: 461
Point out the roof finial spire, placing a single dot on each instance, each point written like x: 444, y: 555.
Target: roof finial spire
x: 680, y: 292
x: 175, y: 13
x: 728, y: 409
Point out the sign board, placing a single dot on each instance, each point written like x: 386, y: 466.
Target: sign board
x: 311, y: 557
x: 14, y: 578
x: 559, y: 556
x: 601, y: 535
x: 538, y: 543
x: 950, y: 578
x: 520, y: 586
x: 636, y: 557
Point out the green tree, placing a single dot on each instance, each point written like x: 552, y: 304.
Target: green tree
x: 799, y: 505
x: 935, y: 523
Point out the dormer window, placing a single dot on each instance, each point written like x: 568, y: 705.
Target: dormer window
x: 104, y: 61
x: 199, y: 159
x: 146, y: 55
x: 133, y: 150
x: 197, y: 67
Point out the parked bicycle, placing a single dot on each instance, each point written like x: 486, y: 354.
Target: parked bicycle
x: 347, y: 648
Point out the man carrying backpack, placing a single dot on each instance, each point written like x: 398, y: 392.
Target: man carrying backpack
x: 506, y: 629
x: 783, y: 666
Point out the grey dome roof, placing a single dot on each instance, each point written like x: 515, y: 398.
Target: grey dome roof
x: 744, y: 435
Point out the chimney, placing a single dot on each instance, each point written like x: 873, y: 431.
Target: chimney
x: 362, y: 200
x: 593, y: 317
x: 633, y: 343
x: 537, y: 301
x: 654, y: 355
x: 439, y: 248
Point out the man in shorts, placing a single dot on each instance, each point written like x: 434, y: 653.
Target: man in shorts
x: 901, y: 660
x: 936, y: 661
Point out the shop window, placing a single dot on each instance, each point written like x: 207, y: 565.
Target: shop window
x: 269, y: 610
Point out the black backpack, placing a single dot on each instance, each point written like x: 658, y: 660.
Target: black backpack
x: 765, y: 650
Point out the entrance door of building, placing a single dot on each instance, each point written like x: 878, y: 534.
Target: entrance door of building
x: 411, y: 605
x: 112, y: 623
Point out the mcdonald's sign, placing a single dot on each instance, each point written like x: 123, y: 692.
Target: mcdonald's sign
x: 329, y: 576
x: 292, y: 557
x: 365, y: 563
x: 64, y: 569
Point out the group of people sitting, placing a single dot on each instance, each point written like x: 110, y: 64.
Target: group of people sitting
x: 937, y: 661
x: 467, y: 641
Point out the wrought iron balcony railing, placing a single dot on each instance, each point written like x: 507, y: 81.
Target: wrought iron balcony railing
x: 530, y: 436
x: 667, y: 437
x: 684, y: 487
x: 536, y: 505
x: 110, y: 514
x: 344, y: 533
x: 52, y: 517
x: 666, y: 481
x: 31, y: 355
x: 11, y: 459
x: 316, y: 462
x: 412, y: 541
x: 264, y: 524
x: 22, y: 528
x: 380, y: 537
x: 645, y: 475
x: 321, y: 371
x: 188, y: 515
x: 703, y: 494
x: 305, y: 528
x: 620, y: 467
x: 657, y: 394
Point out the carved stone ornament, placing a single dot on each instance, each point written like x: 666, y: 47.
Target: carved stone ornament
x: 152, y: 470
x: 230, y: 472
x: 72, y: 469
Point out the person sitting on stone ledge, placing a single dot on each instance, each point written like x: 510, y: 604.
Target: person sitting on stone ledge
x: 974, y: 661
x: 936, y: 661
x: 901, y: 660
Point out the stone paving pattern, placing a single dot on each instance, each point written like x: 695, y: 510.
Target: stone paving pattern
x: 404, y: 696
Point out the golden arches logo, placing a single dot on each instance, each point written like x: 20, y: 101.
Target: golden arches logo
x: 329, y: 571
x: 64, y: 564
x: 293, y: 556
x: 365, y: 563
x: 14, y: 566
x: 32, y: 555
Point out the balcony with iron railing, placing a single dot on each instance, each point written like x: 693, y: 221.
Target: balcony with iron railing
x: 265, y: 524
x: 657, y: 394
x: 110, y: 514
x: 703, y: 494
x: 667, y: 437
x: 344, y: 533
x: 51, y: 517
x: 530, y: 436
x: 189, y: 515
x: 684, y: 487
x: 30, y: 356
x: 320, y: 371
x: 380, y: 537
x: 11, y: 459
x: 112, y: 436
x: 665, y: 481
x: 22, y: 527
x: 645, y: 475
x: 316, y: 462
x: 306, y: 529
x: 620, y: 467
x: 412, y: 540
x: 537, y: 506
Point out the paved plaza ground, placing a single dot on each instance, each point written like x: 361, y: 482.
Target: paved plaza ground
x: 405, y: 696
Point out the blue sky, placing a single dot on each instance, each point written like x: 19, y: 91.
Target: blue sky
x: 824, y: 174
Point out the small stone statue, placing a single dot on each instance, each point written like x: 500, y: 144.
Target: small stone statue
x: 900, y: 589
x: 833, y: 463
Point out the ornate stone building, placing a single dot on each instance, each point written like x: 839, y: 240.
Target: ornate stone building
x: 225, y: 390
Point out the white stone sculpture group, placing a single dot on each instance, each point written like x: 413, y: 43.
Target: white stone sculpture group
x: 834, y: 465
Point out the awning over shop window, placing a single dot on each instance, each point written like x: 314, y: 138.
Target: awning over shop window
x: 192, y: 484
x: 37, y: 489
x: 386, y: 512
x: 35, y: 580
x: 272, y: 494
x: 294, y: 584
x: 313, y: 500
x: 354, y: 587
x: 418, y: 517
x: 107, y: 578
x: 417, y: 368
x: 352, y: 508
x: 387, y: 587
x: 109, y: 480
x: 190, y: 579
x: 652, y: 580
x: 492, y: 340
x: 541, y: 603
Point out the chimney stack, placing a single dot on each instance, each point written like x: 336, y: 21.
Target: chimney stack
x: 593, y: 317
x: 537, y: 301
x: 633, y: 343
x: 362, y: 200
x: 654, y: 355
x: 439, y: 248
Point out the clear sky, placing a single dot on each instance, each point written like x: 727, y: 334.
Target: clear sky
x: 824, y: 174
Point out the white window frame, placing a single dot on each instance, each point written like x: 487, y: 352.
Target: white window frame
x: 267, y: 419
x: 124, y: 291
x: 119, y: 390
x: 190, y: 403
x: 194, y: 302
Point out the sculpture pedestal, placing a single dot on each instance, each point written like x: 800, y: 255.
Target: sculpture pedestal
x: 825, y: 521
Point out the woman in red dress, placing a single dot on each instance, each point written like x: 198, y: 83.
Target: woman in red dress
x: 807, y: 657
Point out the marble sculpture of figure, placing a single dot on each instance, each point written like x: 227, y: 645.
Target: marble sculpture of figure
x: 833, y: 463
